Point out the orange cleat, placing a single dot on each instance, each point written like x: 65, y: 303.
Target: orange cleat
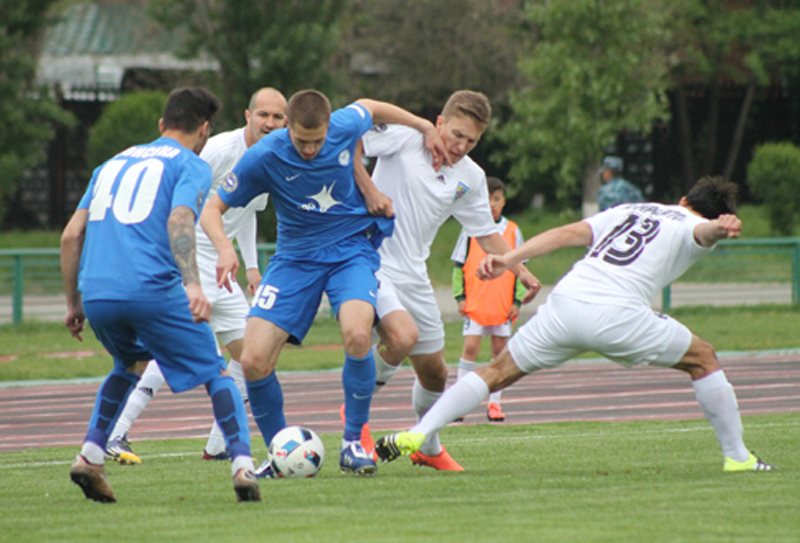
x: 367, y: 443
x: 494, y: 413
x: 442, y: 461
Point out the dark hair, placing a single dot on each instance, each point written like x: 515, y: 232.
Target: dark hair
x: 712, y: 197
x: 309, y: 109
x: 494, y: 184
x: 471, y: 104
x: 188, y: 108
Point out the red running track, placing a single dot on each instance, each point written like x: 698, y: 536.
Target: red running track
x: 54, y: 415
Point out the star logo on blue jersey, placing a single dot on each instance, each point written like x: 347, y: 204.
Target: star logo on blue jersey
x: 324, y: 199
x: 461, y: 190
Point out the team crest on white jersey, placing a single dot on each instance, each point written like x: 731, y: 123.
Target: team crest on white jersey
x: 461, y: 190
x: 344, y: 158
x: 230, y: 183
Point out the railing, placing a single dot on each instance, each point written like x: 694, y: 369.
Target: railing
x: 769, y: 261
x: 35, y: 274
x: 30, y: 279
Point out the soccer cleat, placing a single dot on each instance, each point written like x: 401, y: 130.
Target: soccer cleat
x: 245, y: 484
x: 265, y: 471
x: 400, y: 444
x: 753, y: 463
x: 92, y: 480
x: 119, y: 450
x: 221, y: 456
x: 442, y: 461
x: 494, y: 413
x: 366, y: 436
x: 353, y: 459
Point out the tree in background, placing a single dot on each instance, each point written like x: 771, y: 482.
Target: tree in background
x: 27, y: 116
x: 750, y: 44
x: 774, y: 175
x: 286, y: 44
x: 593, y: 70
x: 415, y: 53
x: 130, y: 120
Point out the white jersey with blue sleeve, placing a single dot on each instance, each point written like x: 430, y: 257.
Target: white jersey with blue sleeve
x: 316, y: 201
x: 126, y: 253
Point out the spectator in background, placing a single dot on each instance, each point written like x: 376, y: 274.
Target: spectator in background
x: 616, y: 190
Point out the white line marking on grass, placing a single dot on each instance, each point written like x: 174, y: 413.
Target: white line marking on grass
x: 193, y: 454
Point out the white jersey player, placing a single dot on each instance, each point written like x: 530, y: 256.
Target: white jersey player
x: 603, y: 305
x: 424, y: 198
x: 266, y: 112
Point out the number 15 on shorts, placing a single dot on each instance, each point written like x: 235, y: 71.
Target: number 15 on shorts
x: 265, y: 296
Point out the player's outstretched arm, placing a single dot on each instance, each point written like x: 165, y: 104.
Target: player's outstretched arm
x: 71, y: 249
x: 211, y: 221
x: 180, y: 228
x: 496, y: 244
x: 571, y: 235
x: 724, y: 226
x: 386, y: 113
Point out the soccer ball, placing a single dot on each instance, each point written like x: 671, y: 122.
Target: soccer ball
x: 296, y: 452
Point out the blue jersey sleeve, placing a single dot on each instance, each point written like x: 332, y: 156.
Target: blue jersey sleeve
x: 249, y: 178
x: 192, y: 186
x: 359, y: 119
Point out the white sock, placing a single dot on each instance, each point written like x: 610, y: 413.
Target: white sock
x: 93, y: 453
x: 383, y: 370
x: 718, y: 402
x: 465, y: 395
x: 242, y: 461
x: 216, y: 440
x: 152, y: 379
x: 494, y: 397
x: 464, y: 367
x: 422, y: 400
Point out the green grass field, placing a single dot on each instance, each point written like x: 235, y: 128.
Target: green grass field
x: 42, y: 351
x: 603, y: 482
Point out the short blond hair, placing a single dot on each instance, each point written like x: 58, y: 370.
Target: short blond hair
x: 471, y: 104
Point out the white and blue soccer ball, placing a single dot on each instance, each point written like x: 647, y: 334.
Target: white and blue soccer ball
x: 296, y: 452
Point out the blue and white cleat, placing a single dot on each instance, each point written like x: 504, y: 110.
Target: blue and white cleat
x: 265, y: 471
x: 353, y: 459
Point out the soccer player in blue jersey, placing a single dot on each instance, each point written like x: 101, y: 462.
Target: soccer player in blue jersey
x: 327, y: 242
x: 128, y: 262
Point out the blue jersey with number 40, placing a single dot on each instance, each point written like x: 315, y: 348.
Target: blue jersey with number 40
x: 126, y: 253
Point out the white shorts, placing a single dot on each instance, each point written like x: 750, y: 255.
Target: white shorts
x: 419, y: 300
x: 564, y: 327
x: 472, y: 328
x: 228, y: 309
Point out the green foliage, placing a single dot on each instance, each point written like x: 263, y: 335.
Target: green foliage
x: 27, y: 115
x: 654, y: 481
x: 596, y: 69
x: 774, y: 175
x: 130, y: 120
x: 283, y: 44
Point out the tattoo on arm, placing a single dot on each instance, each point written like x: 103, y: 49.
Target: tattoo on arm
x: 180, y: 227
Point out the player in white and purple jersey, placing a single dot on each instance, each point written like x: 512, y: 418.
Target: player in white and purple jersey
x: 128, y: 261
x: 603, y: 305
x: 327, y: 242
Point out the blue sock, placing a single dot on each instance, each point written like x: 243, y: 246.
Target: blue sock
x: 358, y: 381
x: 108, y: 405
x: 266, y: 403
x: 230, y: 414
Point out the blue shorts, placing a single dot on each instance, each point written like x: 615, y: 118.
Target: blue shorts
x: 291, y: 290
x: 134, y: 331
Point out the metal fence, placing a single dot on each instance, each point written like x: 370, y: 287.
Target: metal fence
x: 31, y: 285
x: 738, y: 272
